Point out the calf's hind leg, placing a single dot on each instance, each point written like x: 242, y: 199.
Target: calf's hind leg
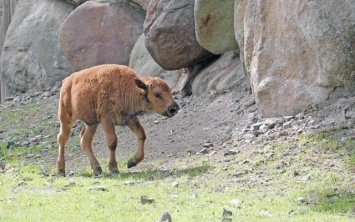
x: 87, y: 135
x: 62, y: 139
x: 137, y: 128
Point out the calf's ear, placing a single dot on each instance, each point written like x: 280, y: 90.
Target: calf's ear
x: 141, y: 84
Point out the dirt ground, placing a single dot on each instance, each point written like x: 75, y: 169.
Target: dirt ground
x: 212, y: 124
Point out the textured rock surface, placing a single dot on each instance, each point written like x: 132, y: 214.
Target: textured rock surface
x: 98, y: 33
x: 297, y: 53
x: 219, y: 76
x: 31, y: 56
x: 214, y: 22
x: 170, y: 34
x: 141, y: 3
x: 76, y: 2
x: 7, y: 10
x: 144, y: 64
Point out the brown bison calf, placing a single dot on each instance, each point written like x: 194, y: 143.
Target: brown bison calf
x: 110, y: 95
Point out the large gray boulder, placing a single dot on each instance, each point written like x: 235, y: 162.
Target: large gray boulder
x: 169, y: 29
x: 144, y: 65
x: 31, y: 57
x: 141, y: 3
x: 7, y: 9
x: 99, y: 33
x: 214, y: 23
x: 222, y: 75
x: 296, y: 53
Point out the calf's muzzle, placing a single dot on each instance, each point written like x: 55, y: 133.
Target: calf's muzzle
x: 172, y: 110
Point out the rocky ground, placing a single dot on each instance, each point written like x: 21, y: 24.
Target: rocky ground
x: 217, y: 124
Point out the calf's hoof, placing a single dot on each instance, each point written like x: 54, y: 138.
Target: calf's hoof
x: 61, y: 173
x: 115, y: 173
x: 131, y: 164
x: 97, y: 171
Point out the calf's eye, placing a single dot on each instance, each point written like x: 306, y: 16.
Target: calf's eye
x: 157, y: 95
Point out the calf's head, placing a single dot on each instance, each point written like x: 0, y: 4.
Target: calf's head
x: 158, y: 96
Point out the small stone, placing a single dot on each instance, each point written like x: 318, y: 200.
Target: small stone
x: 255, y: 127
x: 9, y: 144
x: 21, y: 183
x: 146, y: 200
x: 226, y: 219
x: 35, y: 139
x: 131, y: 182
x: 165, y: 217
x: 156, y: 121
x: 175, y: 184
x: 300, y: 116
x: 283, y: 133
x: 7, y: 99
x: 306, y: 178
x: 47, y: 94
x: 245, y: 161
x: 71, y: 182
x: 173, y: 196
x: 194, y: 196
x: 207, y: 145
x: 17, y: 99
x: 272, y: 122
x: 70, y: 173
x: 213, y: 152
x: 2, y: 165
x: 76, y: 148
x: 288, y: 118
x: 231, y: 152
x: 204, y: 151
x: 291, y: 213
x: 25, y: 143
x: 236, y: 202
x: 227, y: 212
x: 287, y: 125
x: 30, y: 155
x: 263, y: 128
x: 44, y: 170
x: 96, y: 182
x: 301, y: 199
x: 249, y: 136
x: 97, y: 188
x: 191, y: 152
x: 265, y: 212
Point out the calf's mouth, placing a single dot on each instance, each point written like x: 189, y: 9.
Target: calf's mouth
x: 172, y: 110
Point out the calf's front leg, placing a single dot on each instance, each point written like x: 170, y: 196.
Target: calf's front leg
x: 111, y: 141
x: 137, y: 128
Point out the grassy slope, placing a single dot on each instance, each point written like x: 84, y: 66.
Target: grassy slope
x: 306, y: 178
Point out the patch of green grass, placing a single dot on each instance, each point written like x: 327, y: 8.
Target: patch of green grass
x: 338, y: 203
x: 193, y: 188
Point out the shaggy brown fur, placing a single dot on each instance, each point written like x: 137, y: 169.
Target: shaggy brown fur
x: 110, y: 95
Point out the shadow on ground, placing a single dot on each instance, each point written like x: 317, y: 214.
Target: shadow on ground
x: 156, y: 174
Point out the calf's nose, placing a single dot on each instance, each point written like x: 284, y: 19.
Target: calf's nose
x: 173, y: 109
